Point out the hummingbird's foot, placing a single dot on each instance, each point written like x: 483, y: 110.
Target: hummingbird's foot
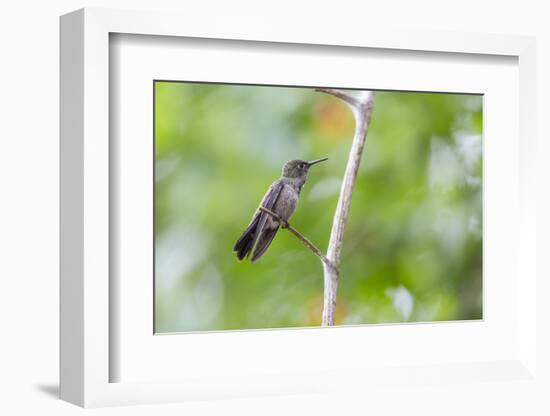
x: 284, y: 224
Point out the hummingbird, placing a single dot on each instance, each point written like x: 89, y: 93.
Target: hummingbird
x: 281, y: 198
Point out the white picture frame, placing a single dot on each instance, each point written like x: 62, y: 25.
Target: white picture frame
x: 87, y: 356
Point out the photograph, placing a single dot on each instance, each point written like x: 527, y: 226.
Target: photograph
x: 302, y: 206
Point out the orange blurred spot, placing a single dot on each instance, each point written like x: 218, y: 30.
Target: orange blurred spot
x: 333, y: 119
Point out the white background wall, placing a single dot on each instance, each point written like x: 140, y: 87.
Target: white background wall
x: 29, y: 207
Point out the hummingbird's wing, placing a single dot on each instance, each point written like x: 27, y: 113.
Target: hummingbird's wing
x: 269, y: 200
x: 250, y: 236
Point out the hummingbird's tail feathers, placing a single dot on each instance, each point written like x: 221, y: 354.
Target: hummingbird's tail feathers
x: 263, y: 243
x: 245, y: 243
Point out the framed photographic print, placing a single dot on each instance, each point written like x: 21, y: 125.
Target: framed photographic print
x: 243, y: 215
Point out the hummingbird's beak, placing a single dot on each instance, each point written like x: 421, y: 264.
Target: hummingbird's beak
x: 313, y: 162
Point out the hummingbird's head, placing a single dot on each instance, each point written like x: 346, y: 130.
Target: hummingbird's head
x: 299, y: 168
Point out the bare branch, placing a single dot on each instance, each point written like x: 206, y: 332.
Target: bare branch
x: 362, y: 106
x: 351, y: 100
x: 286, y: 225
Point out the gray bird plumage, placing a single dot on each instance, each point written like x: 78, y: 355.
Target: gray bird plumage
x: 281, y: 198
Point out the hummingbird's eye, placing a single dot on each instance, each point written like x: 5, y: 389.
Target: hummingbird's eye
x: 302, y: 165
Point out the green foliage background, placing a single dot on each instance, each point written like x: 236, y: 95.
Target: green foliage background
x: 413, y: 244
